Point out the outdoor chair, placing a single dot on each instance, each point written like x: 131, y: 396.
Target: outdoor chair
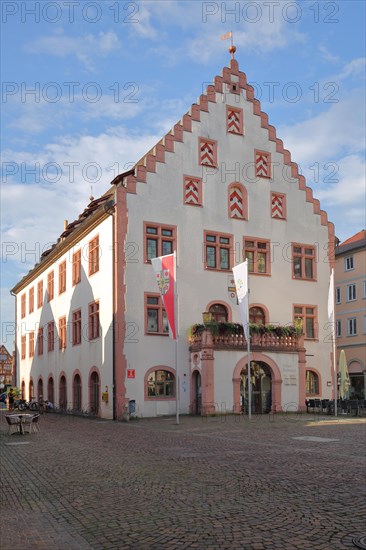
x: 35, y: 423
x: 13, y: 422
x: 325, y: 405
x: 27, y: 424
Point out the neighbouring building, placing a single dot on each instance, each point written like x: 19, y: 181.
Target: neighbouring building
x: 350, y: 296
x: 218, y: 187
x: 7, y: 371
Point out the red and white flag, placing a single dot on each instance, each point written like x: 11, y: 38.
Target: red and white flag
x: 226, y: 35
x: 242, y: 291
x: 165, y: 272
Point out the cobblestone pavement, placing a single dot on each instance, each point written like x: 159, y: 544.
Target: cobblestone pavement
x: 276, y: 482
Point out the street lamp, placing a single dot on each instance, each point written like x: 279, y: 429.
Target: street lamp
x: 207, y: 317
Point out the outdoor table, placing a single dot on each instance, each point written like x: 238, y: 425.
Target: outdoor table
x: 22, y: 417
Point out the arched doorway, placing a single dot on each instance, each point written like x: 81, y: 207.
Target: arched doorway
x: 23, y: 390
x: 261, y: 388
x: 197, y: 389
x: 40, y: 395
x: 94, y: 393
x: 63, y: 393
x: 50, y: 390
x: 31, y: 390
x: 77, y: 402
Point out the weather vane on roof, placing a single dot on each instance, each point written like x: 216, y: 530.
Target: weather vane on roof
x: 232, y: 48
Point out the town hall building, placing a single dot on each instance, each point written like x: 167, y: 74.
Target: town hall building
x: 217, y: 189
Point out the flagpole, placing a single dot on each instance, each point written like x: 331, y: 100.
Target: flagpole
x: 248, y: 351
x: 331, y: 319
x: 335, y: 371
x: 176, y: 340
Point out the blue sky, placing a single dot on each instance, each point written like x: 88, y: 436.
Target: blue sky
x: 110, y: 78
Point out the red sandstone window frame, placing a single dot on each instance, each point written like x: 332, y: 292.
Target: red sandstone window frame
x: 164, y: 237
x: 255, y: 252
x: 160, y: 384
x: 23, y: 345
x: 284, y: 206
x: 312, y: 383
x: 51, y: 336
x: 301, y: 254
x: 213, y: 143
x: 31, y: 300
x: 62, y: 332
x: 50, y: 285
x: 198, y: 181
x: 40, y: 294
x: 269, y: 162
x: 214, y: 245
x: 31, y: 344
x: 93, y: 320
x: 153, y: 303
x: 40, y: 341
x: 244, y: 192
x: 94, y: 255
x: 62, y: 277
x: 76, y: 327
x: 23, y: 305
x: 76, y: 267
x: 308, y: 318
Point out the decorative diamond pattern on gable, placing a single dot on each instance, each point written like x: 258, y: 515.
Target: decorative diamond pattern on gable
x: 234, y: 121
x: 192, y: 191
x: 278, y: 205
x: 208, y: 152
x: 262, y: 164
x: 236, y: 206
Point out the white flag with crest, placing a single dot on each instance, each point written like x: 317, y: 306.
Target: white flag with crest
x: 241, y: 282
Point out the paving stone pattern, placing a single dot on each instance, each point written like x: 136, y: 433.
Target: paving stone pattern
x: 209, y: 483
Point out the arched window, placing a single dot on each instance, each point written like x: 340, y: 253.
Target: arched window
x: 63, y: 393
x: 23, y: 390
x: 161, y: 383
x: 219, y: 313
x: 50, y: 390
x: 76, y: 390
x: 312, y: 383
x: 257, y: 315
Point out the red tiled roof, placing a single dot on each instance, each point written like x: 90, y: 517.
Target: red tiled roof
x: 357, y: 237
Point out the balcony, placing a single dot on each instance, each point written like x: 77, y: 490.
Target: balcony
x: 270, y: 338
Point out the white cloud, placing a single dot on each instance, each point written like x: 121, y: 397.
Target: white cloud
x: 85, y: 48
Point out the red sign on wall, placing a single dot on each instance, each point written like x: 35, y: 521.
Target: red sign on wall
x: 131, y: 373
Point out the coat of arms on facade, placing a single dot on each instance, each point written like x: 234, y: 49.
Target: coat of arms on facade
x: 163, y: 281
x: 231, y: 289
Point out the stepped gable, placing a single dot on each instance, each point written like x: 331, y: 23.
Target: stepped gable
x: 237, y: 85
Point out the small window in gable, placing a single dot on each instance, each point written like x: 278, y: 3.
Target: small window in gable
x: 238, y: 201
x: 207, y: 152
x: 192, y: 191
x: 262, y: 160
x: 278, y: 206
x: 234, y: 120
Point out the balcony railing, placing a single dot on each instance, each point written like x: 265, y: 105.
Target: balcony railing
x: 258, y: 342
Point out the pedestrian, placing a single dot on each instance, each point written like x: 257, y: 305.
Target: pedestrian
x: 11, y: 399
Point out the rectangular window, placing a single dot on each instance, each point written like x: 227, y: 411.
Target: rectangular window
x: 62, y: 277
x: 31, y: 344
x: 364, y: 289
x: 218, y: 251
x: 207, y: 152
x: 348, y: 263
x: 40, y: 294
x: 156, y: 321
x: 160, y: 240
x: 51, y: 336
x: 256, y: 251
x: 40, y: 341
x: 94, y: 255
x: 352, y: 327
x: 51, y: 285
x: 338, y: 329
x: 31, y: 300
x: 351, y: 293
x: 93, y: 320
x: 62, y: 333
x: 76, y: 267
x: 364, y: 325
x: 338, y: 295
x: 303, y: 258
x: 23, y: 346
x: 76, y: 327
x: 308, y: 316
x: 22, y: 305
